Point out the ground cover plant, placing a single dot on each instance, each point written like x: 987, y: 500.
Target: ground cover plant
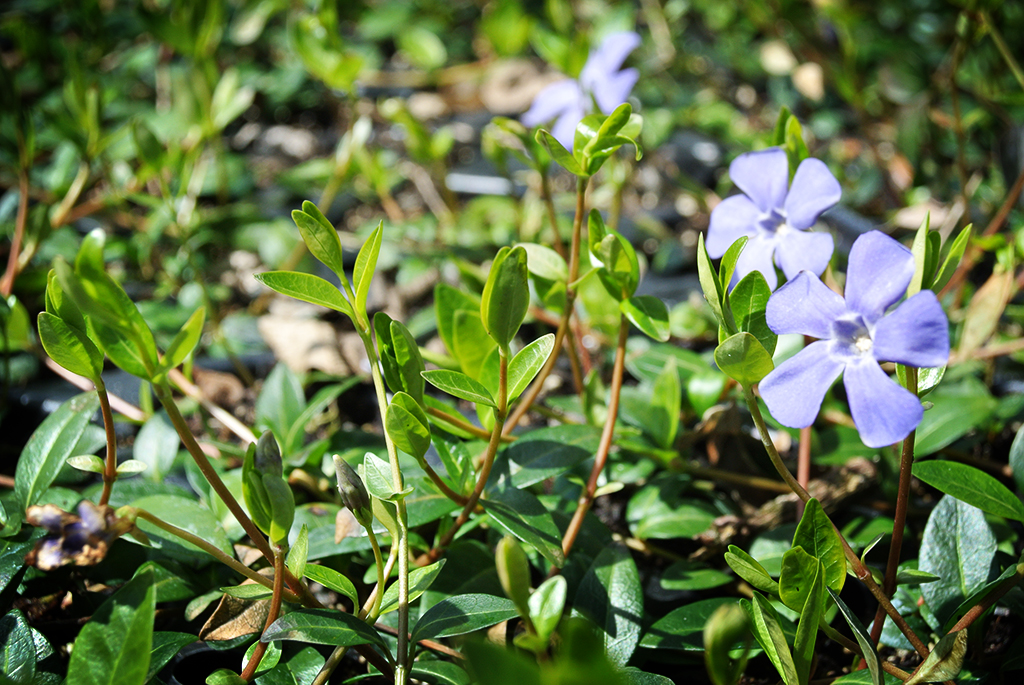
x: 502, y: 342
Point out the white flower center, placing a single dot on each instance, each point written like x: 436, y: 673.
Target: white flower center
x: 863, y: 343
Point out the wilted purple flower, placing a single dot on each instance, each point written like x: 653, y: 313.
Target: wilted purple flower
x: 775, y: 215
x: 569, y: 100
x: 855, y: 335
x: 82, y: 540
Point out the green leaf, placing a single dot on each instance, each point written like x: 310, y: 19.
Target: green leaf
x: 420, y: 580
x: 471, y: 344
x: 320, y: 237
x: 958, y: 546
x: 407, y: 425
x: 957, y: 409
x: 729, y: 625
x: 692, y: 575
x: 799, y: 572
x: 748, y: 301
x: 666, y: 403
x: 448, y: 301
x: 506, y: 296
x: 922, y: 274
x: 459, y: 385
x: 187, y: 514
x: 649, y: 314
x: 816, y: 535
x: 527, y: 363
x: 545, y: 263
x: 186, y: 340
x: 769, y: 635
x: 561, y: 156
x: 867, y: 645
x: 322, y: 627
x: 332, y: 580
x: 1016, y: 459
x: 944, y: 661
x: 952, y: 260
x: 927, y: 379
x: 87, y: 462
x: 807, y: 628
x: 521, y: 514
x: 50, y: 446
x: 249, y: 591
x: 462, y: 614
x: 547, y: 603
x: 68, y: 347
x: 796, y: 148
x: 728, y: 265
x: 308, y: 288
x: 743, y: 358
x: 439, y: 673
x: 971, y: 485
x: 129, y: 467
x: 280, y: 402
x: 17, y: 650
x: 114, y: 646
x: 748, y: 568
x: 157, y: 445
x: 779, y: 132
x: 377, y: 477
x: 683, y: 627
x: 165, y: 645
x: 548, y: 452
x: 610, y: 595
x: 407, y: 356
x: 296, y: 560
x: 366, y: 262
x: 709, y: 280
x: 659, y: 511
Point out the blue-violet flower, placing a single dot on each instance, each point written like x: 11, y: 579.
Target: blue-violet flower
x: 82, y: 540
x: 856, y: 334
x: 602, y: 81
x: 774, y: 216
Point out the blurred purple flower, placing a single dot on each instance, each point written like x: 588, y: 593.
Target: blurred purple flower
x: 774, y: 216
x: 855, y: 335
x: 569, y: 100
x: 82, y: 540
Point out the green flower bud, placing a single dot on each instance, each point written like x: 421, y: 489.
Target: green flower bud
x: 268, y: 455
x: 514, y: 573
x: 267, y: 495
x: 353, y: 492
x: 727, y: 625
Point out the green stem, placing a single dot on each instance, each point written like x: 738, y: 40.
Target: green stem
x: 605, y: 445
x: 212, y: 550
x: 862, y: 573
x: 378, y: 592
x: 900, y: 515
x: 110, y: 463
x: 530, y: 396
x: 275, y: 609
x: 464, y: 425
x: 851, y: 646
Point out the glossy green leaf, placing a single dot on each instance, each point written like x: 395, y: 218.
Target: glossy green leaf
x: 366, y: 262
x: 320, y: 237
x: 449, y: 300
x: 952, y: 259
x: 693, y: 575
x: 867, y: 645
x: 17, y: 650
x: 971, y: 485
x: 50, y: 446
x: 87, y: 462
x: 547, y: 452
x: 743, y: 358
x: 727, y: 267
x: 816, y: 535
x: 130, y: 467
x: 923, y: 271
x: 927, y: 379
x: 296, y: 559
x: 114, y: 647
x: 527, y: 363
x: 665, y: 402
x: 407, y: 425
x: 768, y: 632
x: 68, y: 347
x: 407, y: 356
x: 506, y: 296
x: 308, y: 288
x: 611, y: 596
x: 183, y: 513
x: 547, y: 603
x: 728, y: 625
x: 799, y: 571
x: 521, y: 514
x: 558, y: 152
x: 462, y: 614
x: 186, y: 340
x: 377, y: 477
x: 280, y: 402
x: 157, y: 444
x: 958, y: 546
x: 1016, y: 459
x: 807, y: 628
x: 660, y: 510
x: 420, y: 580
x: 709, y: 280
x: 322, y: 627
x: 332, y: 580
x: 459, y: 385
x: 249, y: 591
x: 166, y: 645
x: 471, y: 344
x: 649, y: 314
x: 439, y: 672
x: 957, y: 409
x: 748, y: 301
x: 683, y: 627
x: 544, y: 262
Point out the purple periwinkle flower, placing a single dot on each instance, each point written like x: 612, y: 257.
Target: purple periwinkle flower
x: 856, y: 334
x: 775, y: 215
x: 82, y: 540
x: 602, y: 81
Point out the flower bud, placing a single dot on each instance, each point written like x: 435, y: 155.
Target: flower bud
x: 727, y: 625
x: 514, y: 573
x: 353, y: 492
x: 268, y: 455
x: 266, y: 492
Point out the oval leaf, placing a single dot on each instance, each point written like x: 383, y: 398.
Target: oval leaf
x: 649, y: 314
x: 743, y: 358
x: 308, y: 288
x: 525, y: 366
x: 322, y: 627
x: 971, y: 485
x: 462, y: 614
x: 459, y: 385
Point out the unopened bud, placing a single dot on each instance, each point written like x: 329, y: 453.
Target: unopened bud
x: 728, y: 625
x: 353, y: 492
x: 514, y: 573
x: 268, y: 455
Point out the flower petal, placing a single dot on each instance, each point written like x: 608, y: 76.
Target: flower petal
x: 564, y: 129
x: 814, y: 190
x: 803, y: 251
x: 804, y: 305
x: 916, y: 333
x: 883, y: 412
x: 614, y: 89
x: 794, y: 390
x: 763, y: 175
x: 878, y: 274
x: 733, y: 218
x: 757, y: 256
x: 608, y: 57
x: 552, y: 101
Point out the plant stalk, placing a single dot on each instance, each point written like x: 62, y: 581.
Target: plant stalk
x: 110, y: 463
x: 275, y: 608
